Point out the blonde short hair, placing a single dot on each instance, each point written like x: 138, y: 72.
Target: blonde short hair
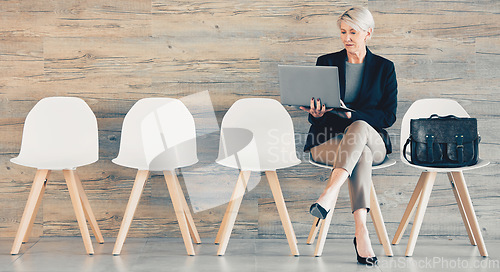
x: 359, y: 18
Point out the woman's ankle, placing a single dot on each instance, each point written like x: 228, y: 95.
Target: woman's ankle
x: 361, y: 232
x: 327, y: 199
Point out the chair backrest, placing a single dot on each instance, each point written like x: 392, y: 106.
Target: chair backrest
x: 157, y: 134
x: 257, y: 135
x: 425, y: 108
x: 59, y: 133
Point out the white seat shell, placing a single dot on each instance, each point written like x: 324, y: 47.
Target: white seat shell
x: 257, y: 135
x: 158, y: 134
x: 59, y: 133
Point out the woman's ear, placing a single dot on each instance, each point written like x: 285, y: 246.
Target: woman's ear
x: 368, y: 34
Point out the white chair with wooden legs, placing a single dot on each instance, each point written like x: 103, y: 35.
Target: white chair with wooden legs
x: 420, y: 197
x: 324, y: 224
x: 60, y: 133
x: 256, y: 135
x: 158, y: 134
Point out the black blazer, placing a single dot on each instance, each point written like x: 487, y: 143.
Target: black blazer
x: 376, y: 102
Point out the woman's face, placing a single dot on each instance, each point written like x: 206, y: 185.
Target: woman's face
x: 354, y: 40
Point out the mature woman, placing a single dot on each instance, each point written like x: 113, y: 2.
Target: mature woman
x: 354, y: 141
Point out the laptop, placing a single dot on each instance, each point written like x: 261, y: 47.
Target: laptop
x: 298, y: 84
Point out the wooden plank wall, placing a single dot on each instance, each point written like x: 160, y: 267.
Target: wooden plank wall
x: 112, y: 53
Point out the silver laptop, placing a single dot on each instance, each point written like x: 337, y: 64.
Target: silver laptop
x: 298, y: 84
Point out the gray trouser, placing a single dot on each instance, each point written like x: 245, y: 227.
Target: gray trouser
x: 356, y: 151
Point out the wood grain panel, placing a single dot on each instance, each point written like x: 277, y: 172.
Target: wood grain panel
x: 182, y: 60
x: 113, y: 53
x: 245, y: 18
x: 94, y: 18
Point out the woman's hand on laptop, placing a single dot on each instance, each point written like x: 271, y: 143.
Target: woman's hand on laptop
x: 316, y: 109
x: 343, y: 114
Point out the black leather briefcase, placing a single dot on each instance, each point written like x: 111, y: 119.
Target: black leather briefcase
x: 447, y: 141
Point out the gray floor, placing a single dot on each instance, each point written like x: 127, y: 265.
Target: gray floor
x: 168, y: 254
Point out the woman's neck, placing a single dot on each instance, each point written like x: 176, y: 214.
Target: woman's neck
x: 356, y: 57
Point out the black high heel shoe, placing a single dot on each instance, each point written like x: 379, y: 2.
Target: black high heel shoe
x: 318, y: 211
x: 365, y: 260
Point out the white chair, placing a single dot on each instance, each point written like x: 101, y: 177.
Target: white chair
x: 256, y: 135
x: 420, y: 197
x: 375, y: 213
x: 60, y: 133
x: 158, y: 134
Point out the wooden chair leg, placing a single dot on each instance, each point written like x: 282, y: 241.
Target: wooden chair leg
x: 314, y: 230
x: 323, y: 232
x: 378, y: 221
x: 135, y: 196
x: 373, y: 214
x: 38, y: 203
x: 223, y: 225
x: 409, y: 210
x: 377, y: 229
x: 462, y: 210
x: 189, y: 218
x: 272, y: 178
x: 29, y: 210
x: 225, y: 218
x: 179, y: 210
x: 232, y: 211
x: 469, y: 210
x: 69, y: 175
x: 33, y: 217
x: 422, y: 206
x: 89, y: 214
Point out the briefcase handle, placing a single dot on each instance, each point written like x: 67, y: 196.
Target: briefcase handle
x: 435, y: 116
x: 408, y: 141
